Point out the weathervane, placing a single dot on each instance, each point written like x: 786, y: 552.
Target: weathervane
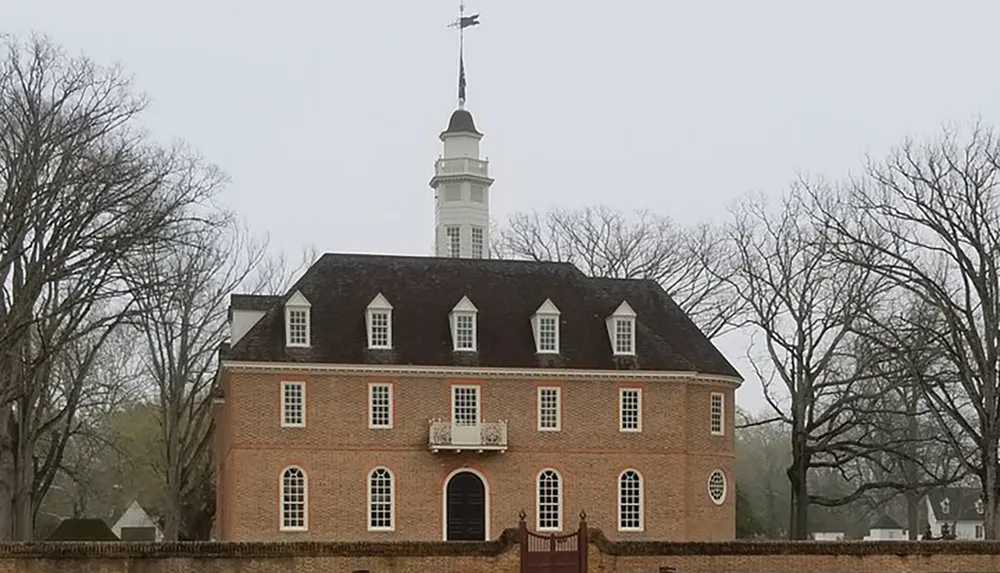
x: 462, y: 23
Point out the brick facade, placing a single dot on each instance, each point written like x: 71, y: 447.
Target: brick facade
x: 675, y: 453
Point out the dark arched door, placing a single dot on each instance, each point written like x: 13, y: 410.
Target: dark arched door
x: 466, y: 506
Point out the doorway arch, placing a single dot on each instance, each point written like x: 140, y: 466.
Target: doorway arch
x: 466, y: 506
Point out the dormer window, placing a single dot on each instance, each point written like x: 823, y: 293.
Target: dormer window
x: 945, y: 505
x: 378, y: 317
x: 463, y: 326
x: 297, y: 321
x: 545, y: 324
x: 979, y: 506
x: 621, y: 330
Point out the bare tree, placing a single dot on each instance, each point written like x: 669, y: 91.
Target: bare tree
x: 80, y: 191
x: 931, y: 216
x: 607, y: 243
x: 818, y: 378
x: 183, y: 303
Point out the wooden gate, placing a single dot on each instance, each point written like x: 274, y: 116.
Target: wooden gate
x: 554, y: 553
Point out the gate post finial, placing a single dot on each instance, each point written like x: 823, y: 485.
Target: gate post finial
x: 522, y: 515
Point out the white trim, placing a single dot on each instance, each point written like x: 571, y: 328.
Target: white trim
x: 623, y: 312
x: 621, y: 409
x: 379, y: 305
x: 538, y: 413
x: 722, y: 421
x: 444, y: 500
x: 538, y: 500
x: 281, y: 499
x: 478, y: 372
x: 285, y: 384
x: 642, y: 501
x: 548, y: 310
x: 464, y: 308
x: 479, y: 401
x: 298, y: 302
x: 371, y: 402
x: 725, y: 486
x: 392, y: 500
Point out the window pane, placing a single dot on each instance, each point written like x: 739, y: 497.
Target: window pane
x: 630, y: 500
x: 293, y: 499
x: 381, y: 405
x: 548, y: 500
x: 548, y: 408
x: 380, y: 499
x: 293, y: 409
x: 630, y: 409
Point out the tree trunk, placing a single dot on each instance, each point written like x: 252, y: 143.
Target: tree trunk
x: 6, y: 479
x: 990, y: 486
x: 797, y: 478
x: 913, y: 515
x: 24, y: 478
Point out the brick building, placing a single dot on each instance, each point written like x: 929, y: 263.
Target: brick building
x: 429, y: 398
x: 421, y: 398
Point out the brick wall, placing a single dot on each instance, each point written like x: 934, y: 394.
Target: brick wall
x: 501, y: 557
x: 675, y: 452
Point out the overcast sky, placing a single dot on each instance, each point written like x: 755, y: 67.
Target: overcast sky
x: 325, y: 114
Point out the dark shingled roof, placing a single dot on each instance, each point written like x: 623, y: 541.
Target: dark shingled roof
x: 423, y: 290
x: 83, y: 530
x: 961, y: 503
x: 461, y: 122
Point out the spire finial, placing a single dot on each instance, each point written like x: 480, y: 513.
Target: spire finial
x: 462, y: 23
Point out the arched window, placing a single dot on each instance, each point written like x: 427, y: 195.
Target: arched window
x: 381, y: 499
x: 630, y: 501
x: 549, y: 501
x: 717, y: 487
x: 294, y: 497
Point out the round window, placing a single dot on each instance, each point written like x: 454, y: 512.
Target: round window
x: 717, y: 487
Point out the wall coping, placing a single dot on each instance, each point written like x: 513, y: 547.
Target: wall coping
x: 241, y: 550
x: 507, y: 540
x: 747, y: 547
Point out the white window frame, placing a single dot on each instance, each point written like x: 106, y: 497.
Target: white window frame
x: 371, y: 406
x: 392, y: 500
x: 538, y: 397
x: 302, y: 387
x: 621, y: 409
x: 721, y: 430
x: 725, y: 486
x: 305, y: 500
x: 642, y: 500
x: 454, y: 241
x: 548, y: 311
x: 479, y: 401
x: 477, y: 247
x: 464, y: 308
x: 298, y: 303
x: 624, y: 312
x: 630, y: 351
x: 538, y: 500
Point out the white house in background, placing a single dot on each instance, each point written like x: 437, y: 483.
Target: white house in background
x: 884, y: 529
x: 828, y: 536
x: 137, y: 525
x: 960, y: 507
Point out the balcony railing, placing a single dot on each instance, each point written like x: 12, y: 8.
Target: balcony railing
x: 481, y: 437
x: 458, y: 165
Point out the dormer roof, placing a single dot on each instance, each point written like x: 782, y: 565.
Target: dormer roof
x: 505, y: 295
x: 379, y: 303
x: 465, y: 305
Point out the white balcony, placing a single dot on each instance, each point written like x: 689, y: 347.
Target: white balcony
x: 479, y: 437
x: 460, y: 166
